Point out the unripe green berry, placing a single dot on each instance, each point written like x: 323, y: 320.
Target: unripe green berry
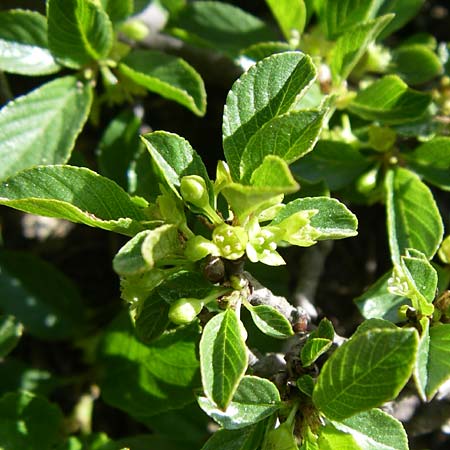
x: 193, y: 190
x: 185, y: 310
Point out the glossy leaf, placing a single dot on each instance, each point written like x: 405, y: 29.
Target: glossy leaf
x: 223, y: 358
x: 219, y: 26
x: 41, y: 127
x: 79, y: 31
x: 337, y: 163
x: 378, y: 302
x: 266, y: 91
x: 174, y: 157
x: 254, y: 400
x: 10, y: 333
x: 413, y: 218
x: 23, y: 44
x: 374, y: 430
x: 390, y: 101
x: 289, y: 136
x: 41, y: 297
x: 313, y: 349
x: 352, y: 44
x: 333, y: 220
x: 290, y: 15
x: 338, y: 17
x: 28, y: 421
x: 147, y: 379
x: 366, y: 371
x: 271, y: 322
x: 168, y: 76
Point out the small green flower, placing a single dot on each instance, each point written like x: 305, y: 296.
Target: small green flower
x: 230, y: 241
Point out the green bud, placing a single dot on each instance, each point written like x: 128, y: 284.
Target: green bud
x: 367, y: 181
x: 134, y: 29
x: 185, y: 310
x: 193, y: 190
x: 381, y: 139
x: 230, y: 241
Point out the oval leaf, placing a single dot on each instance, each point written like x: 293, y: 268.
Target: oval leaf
x: 168, y: 76
x: 366, y: 371
x: 271, y: 322
x: 73, y: 193
x: 255, y: 399
x: 223, y: 358
x: 41, y: 127
x: 23, y: 44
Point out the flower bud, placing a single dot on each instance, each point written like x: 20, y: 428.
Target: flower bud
x: 134, y: 29
x: 193, y: 190
x: 185, y: 310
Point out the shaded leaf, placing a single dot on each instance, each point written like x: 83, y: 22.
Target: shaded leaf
x: 118, y: 10
x: 10, y: 333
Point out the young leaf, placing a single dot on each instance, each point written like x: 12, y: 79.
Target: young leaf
x: 23, y: 44
x: 413, y: 219
x: 270, y: 321
x: 223, y: 358
x: 147, y: 379
x: 389, y: 100
x: 333, y: 220
x: 40, y: 296
x: 351, y: 45
x: 168, y: 76
x: 366, y: 371
x: 174, y: 158
x: 290, y: 15
x: 10, y: 332
x: 335, y: 162
x: 374, y: 430
x: 378, y: 302
x: 330, y: 438
x: 41, y: 127
x: 219, y: 26
x: 267, y: 90
x: 338, y: 17
x: 255, y: 399
x: 433, y: 362
x: 306, y: 384
x: 289, y: 136
x: 75, y: 194
x: 79, y: 31
x: 118, y: 10
x: 313, y: 349
x: 29, y: 421
x: 431, y: 160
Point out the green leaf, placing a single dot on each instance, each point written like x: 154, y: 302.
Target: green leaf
x: 23, y: 44
x: 415, y: 64
x: 174, y: 158
x: 118, y: 148
x: 266, y: 91
x: 10, y: 333
x: 289, y: 136
x: 144, y: 380
x: 255, y: 399
x: 433, y: 362
x: 130, y: 260
x: 28, y: 421
x: 219, y: 26
x: 374, y: 430
x: 330, y: 438
x: 351, y: 46
x: 270, y: 321
x: 338, y: 17
x: 305, y: 384
x: 40, y: 296
x: 413, y: 219
x: 404, y: 11
x: 333, y: 220
x: 79, y: 31
x: 290, y: 15
x: 247, y: 438
x: 41, y: 127
x: 118, y: 10
x: 223, y: 358
x: 313, y: 349
x: 378, y: 302
x: 389, y: 100
x: 337, y: 163
x: 75, y: 194
x: 366, y: 371
x: 169, y: 76
x: 431, y: 160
